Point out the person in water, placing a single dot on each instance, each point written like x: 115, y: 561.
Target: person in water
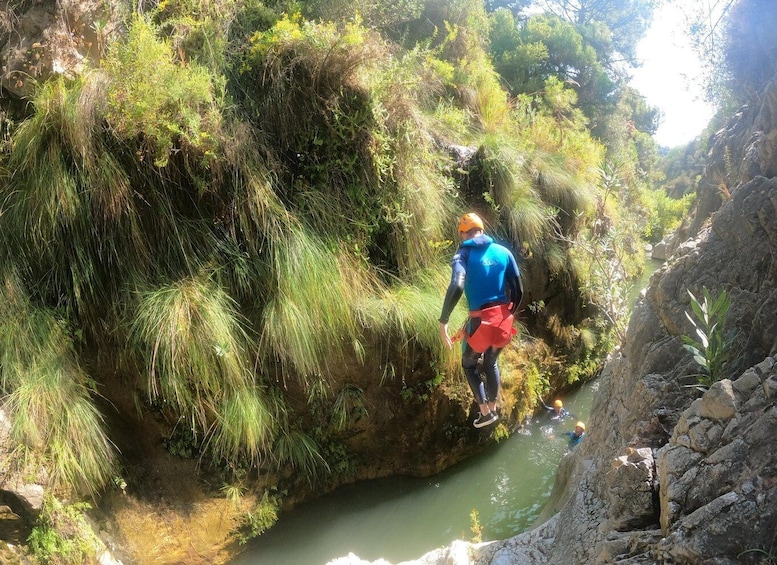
x: 576, y: 435
x: 487, y: 274
x: 559, y: 412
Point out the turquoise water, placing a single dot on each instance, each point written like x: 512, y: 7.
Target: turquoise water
x: 403, y: 518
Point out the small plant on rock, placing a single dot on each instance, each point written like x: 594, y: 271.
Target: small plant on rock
x: 62, y: 534
x: 261, y: 519
x: 712, y: 348
x: 475, y: 526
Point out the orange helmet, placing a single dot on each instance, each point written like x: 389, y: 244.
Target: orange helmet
x: 469, y: 222
x: 558, y: 404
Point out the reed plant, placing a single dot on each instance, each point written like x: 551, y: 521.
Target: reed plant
x: 493, y: 106
x: 529, y: 219
x: 44, y: 197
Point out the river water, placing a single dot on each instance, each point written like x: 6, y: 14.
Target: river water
x: 402, y: 518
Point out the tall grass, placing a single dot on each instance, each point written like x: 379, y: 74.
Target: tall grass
x: 297, y: 449
x: 260, y: 215
x: 48, y: 396
x: 43, y: 196
x: 530, y: 220
x: 569, y: 193
x: 68, y: 220
x: 245, y: 424
x: 195, y: 345
x: 420, y: 209
x: 514, y: 193
x: 308, y: 322
x: 405, y: 316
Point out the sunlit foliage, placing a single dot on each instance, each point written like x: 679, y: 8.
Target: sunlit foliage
x: 245, y: 204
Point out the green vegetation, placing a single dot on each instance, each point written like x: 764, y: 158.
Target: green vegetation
x: 247, y: 211
x: 476, y: 527
x: 712, y: 348
x: 62, y: 535
x: 49, y: 394
x: 259, y: 520
x: 154, y: 96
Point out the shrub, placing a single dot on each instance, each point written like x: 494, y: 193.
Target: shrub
x: 664, y: 213
x: 154, y: 98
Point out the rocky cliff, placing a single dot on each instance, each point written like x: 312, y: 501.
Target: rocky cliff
x: 670, y: 473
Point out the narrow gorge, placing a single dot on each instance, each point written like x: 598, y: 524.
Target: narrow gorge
x: 669, y: 473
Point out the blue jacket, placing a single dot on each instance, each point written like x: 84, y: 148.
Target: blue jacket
x: 573, y: 439
x: 486, y: 273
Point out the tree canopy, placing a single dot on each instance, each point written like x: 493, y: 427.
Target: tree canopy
x: 626, y: 21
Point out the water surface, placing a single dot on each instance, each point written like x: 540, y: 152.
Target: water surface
x: 400, y: 519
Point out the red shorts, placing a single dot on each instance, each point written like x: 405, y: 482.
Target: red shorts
x: 495, y: 329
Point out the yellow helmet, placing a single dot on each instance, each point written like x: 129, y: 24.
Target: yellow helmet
x: 580, y: 425
x: 558, y: 404
x: 469, y: 222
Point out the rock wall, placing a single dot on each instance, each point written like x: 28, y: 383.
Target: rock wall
x: 41, y: 38
x: 742, y: 150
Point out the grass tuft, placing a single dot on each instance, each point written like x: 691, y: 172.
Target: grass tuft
x: 245, y: 424
x: 300, y: 451
x: 48, y: 397
x: 309, y: 322
x: 192, y: 336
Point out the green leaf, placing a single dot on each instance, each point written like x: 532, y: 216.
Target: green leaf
x: 703, y: 337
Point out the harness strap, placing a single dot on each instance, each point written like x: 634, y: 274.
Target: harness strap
x: 479, y: 313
